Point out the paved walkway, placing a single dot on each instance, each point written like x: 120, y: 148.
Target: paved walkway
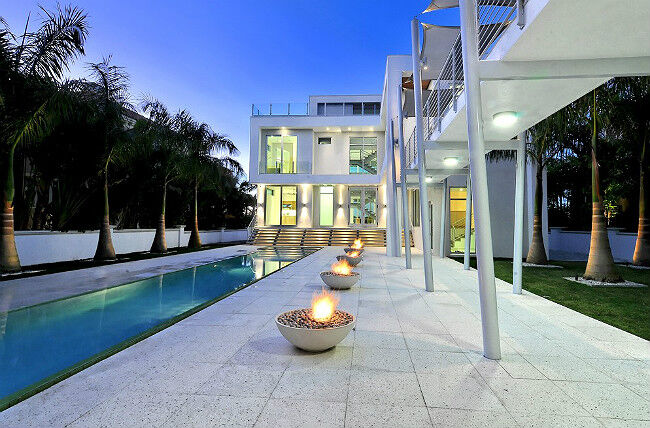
x: 414, y: 360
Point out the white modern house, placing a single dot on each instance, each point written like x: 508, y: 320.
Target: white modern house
x: 463, y: 92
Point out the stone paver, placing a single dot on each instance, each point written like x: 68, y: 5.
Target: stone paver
x: 415, y: 359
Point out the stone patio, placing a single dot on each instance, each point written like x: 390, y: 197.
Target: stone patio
x: 414, y: 360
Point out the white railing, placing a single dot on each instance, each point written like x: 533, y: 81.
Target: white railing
x: 280, y: 109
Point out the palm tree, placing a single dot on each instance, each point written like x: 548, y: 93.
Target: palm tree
x: 546, y: 142
x: 159, y: 138
x: 600, y: 265
x: 31, y: 66
x: 107, y: 97
x: 200, y: 164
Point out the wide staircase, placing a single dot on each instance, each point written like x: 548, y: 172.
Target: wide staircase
x: 296, y: 237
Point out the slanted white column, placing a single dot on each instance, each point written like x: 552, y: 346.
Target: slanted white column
x: 443, y: 219
x: 402, y: 178
x: 517, y: 248
x: 484, y: 253
x: 468, y: 222
x: 391, y: 195
x: 422, y: 168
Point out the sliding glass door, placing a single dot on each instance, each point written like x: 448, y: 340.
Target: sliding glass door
x: 280, y: 209
x: 281, y: 154
x: 363, y: 206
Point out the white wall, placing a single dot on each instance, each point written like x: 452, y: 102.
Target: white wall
x: 574, y: 245
x: 334, y: 159
x: 36, y: 247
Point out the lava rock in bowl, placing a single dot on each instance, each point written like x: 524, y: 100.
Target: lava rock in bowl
x: 339, y: 282
x: 350, y: 249
x: 352, y: 261
x: 305, y: 333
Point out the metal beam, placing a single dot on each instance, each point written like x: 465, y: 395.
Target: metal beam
x: 484, y: 252
x: 564, y: 69
x: 462, y: 145
x: 402, y: 179
x: 419, y: 142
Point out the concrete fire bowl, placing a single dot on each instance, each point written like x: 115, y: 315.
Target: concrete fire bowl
x: 352, y: 261
x: 339, y: 282
x: 349, y: 250
x: 315, y: 339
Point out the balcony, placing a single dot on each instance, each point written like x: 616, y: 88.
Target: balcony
x: 280, y: 109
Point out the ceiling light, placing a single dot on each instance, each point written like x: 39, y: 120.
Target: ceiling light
x: 328, y: 128
x: 349, y: 129
x: 429, y: 180
x: 451, y: 161
x: 505, y: 119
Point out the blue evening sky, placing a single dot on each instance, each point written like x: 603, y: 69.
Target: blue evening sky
x: 215, y: 58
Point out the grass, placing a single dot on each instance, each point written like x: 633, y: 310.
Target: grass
x: 624, y: 308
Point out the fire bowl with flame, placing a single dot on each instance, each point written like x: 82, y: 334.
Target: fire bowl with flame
x: 340, y: 277
x: 353, y: 258
x: 317, y: 328
x: 357, y: 246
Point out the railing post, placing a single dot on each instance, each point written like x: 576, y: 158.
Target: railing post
x: 288, y: 109
x: 438, y: 106
x: 476, y: 144
x: 270, y: 109
x: 419, y: 143
x: 521, y: 14
x: 252, y: 109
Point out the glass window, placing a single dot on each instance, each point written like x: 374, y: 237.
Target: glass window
x: 357, y: 108
x: 457, y: 232
x: 363, y: 155
x: 334, y: 109
x: 280, y: 209
x: 324, y: 140
x: 326, y: 206
x: 320, y: 109
x: 363, y: 206
x: 272, y: 209
x: 371, y: 108
x: 289, y: 199
x: 281, y: 154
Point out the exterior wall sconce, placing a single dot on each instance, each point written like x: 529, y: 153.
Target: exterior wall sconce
x: 429, y: 180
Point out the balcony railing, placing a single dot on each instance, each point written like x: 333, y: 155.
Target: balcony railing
x: 494, y: 16
x: 280, y: 109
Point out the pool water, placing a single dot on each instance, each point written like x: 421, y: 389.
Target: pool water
x: 40, y: 341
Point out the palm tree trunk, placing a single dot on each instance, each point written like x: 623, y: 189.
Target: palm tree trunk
x: 600, y: 265
x: 195, y: 238
x: 159, y: 244
x: 537, y: 251
x: 9, y: 261
x: 642, y: 248
x: 105, y: 250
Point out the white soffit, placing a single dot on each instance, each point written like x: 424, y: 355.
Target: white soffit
x: 437, y: 44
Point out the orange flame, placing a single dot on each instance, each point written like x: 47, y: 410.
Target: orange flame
x: 357, y: 244
x: 342, y: 267
x: 323, y: 305
x: 353, y: 254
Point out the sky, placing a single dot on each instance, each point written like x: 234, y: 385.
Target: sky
x: 215, y: 58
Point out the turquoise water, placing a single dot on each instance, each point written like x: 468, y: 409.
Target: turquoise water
x: 40, y: 341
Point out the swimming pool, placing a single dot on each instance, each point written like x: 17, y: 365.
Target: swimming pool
x: 42, y: 344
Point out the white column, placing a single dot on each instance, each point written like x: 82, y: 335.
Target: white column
x: 391, y: 194
x: 402, y: 178
x: 468, y: 222
x: 422, y: 169
x: 484, y: 254
x: 443, y: 219
x: 517, y: 248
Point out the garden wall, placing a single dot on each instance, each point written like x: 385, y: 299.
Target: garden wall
x: 36, y: 247
x: 574, y: 246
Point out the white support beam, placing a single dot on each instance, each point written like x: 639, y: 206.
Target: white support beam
x: 393, y: 247
x: 419, y: 142
x: 462, y: 145
x: 517, y: 249
x: 443, y: 219
x: 402, y: 179
x: 468, y: 222
x: 439, y: 171
x: 484, y: 252
x: 564, y: 69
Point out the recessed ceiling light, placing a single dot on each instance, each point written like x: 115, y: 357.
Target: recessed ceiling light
x: 450, y: 161
x: 429, y: 179
x: 349, y: 128
x: 504, y: 119
x: 328, y: 128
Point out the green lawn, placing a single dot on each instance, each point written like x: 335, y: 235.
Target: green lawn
x: 625, y: 308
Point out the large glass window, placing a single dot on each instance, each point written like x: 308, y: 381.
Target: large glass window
x: 326, y: 205
x: 363, y: 206
x: 280, y: 207
x: 281, y: 154
x: 457, y: 233
x: 363, y: 155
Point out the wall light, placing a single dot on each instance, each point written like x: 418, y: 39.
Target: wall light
x: 349, y: 128
x: 450, y: 161
x: 429, y: 179
x: 504, y: 119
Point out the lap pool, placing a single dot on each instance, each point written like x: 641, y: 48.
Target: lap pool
x: 42, y: 344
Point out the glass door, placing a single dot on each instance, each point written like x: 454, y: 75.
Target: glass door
x: 457, y: 233
x: 326, y: 206
x: 280, y: 205
x: 281, y: 154
x: 363, y: 206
